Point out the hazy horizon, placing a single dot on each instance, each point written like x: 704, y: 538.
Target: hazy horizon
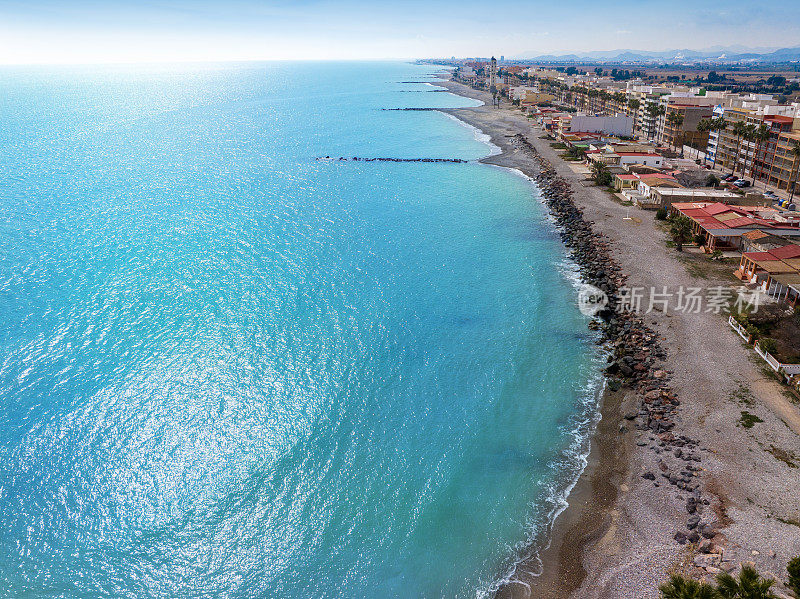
x: 89, y: 32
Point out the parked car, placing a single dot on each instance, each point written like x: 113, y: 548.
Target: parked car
x: 741, y: 183
x: 769, y: 194
x: 730, y: 178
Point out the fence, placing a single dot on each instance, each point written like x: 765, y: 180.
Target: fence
x: 789, y: 371
x: 739, y: 329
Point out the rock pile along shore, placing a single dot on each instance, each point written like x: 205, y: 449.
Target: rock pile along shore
x: 634, y: 359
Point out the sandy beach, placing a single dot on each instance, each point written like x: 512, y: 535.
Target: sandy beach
x: 617, y: 538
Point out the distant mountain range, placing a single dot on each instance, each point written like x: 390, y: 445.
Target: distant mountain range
x: 714, y: 54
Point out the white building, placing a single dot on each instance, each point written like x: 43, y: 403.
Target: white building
x: 620, y: 125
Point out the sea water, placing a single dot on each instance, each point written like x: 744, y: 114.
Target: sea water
x: 229, y: 369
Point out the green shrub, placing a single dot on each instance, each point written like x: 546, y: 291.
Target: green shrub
x: 661, y: 214
x: 752, y: 330
x: 769, y: 345
x: 748, y: 420
x: 679, y: 587
x: 748, y: 585
x: 794, y: 576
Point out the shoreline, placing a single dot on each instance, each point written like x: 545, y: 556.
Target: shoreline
x: 624, y: 528
x: 585, y: 516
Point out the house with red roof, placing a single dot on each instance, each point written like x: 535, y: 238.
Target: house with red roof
x: 721, y: 226
x: 776, y: 271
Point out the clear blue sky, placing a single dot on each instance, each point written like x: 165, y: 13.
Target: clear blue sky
x: 114, y: 30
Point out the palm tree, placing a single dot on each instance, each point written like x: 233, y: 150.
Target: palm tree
x: 748, y: 136
x: 675, y: 120
x: 748, y: 585
x: 686, y: 588
x: 604, y: 98
x: 704, y: 126
x: 795, y: 151
x: 655, y: 111
x: 634, y: 104
x: 718, y: 124
x: 681, y: 231
x: 739, y: 129
x: 760, y: 135
x: 619, y: 98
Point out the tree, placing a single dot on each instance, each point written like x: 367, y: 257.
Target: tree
x: 795, y: 151
x: 686, y: 588
x: 633, y: 105
x: 718, y: 124
x: 600, y: 173
x: 681, y: 231
x: 655, y: 111
x: 748, y: 135
x: 604, y: 98
x: 675, y: 120
x: 739, y: 130
x: 794, y: 576
x: 760, y: 135
x: 704, y: 126
x: 748, y: 585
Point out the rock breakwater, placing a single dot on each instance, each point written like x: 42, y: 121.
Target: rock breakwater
x: 635, y: 361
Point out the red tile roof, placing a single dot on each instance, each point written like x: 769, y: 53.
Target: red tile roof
x: 759, y: 256
x: 742, y: 221
x: 722, y: 216
x: 718, y: 208
x: 785, y: 252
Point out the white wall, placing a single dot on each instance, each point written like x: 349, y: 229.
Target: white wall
x: 610, y: 125
x: 654, y: 160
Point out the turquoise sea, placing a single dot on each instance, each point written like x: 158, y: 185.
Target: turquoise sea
x: 228, y: 369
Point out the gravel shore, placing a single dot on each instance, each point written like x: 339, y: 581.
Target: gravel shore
x: 676, y: 479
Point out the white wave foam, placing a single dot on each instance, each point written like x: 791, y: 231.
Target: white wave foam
x: 574, y: 458
x: 480, y: 136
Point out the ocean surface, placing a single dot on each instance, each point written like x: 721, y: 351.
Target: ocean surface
x: 228, y: 369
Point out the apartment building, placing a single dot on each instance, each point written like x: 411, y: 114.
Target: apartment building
x: 770, y: 160
x: 685, y: 133
x: 785, y: 164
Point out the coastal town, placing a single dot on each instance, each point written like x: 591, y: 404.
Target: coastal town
x: 677, y: 205
x: 727, y: 162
